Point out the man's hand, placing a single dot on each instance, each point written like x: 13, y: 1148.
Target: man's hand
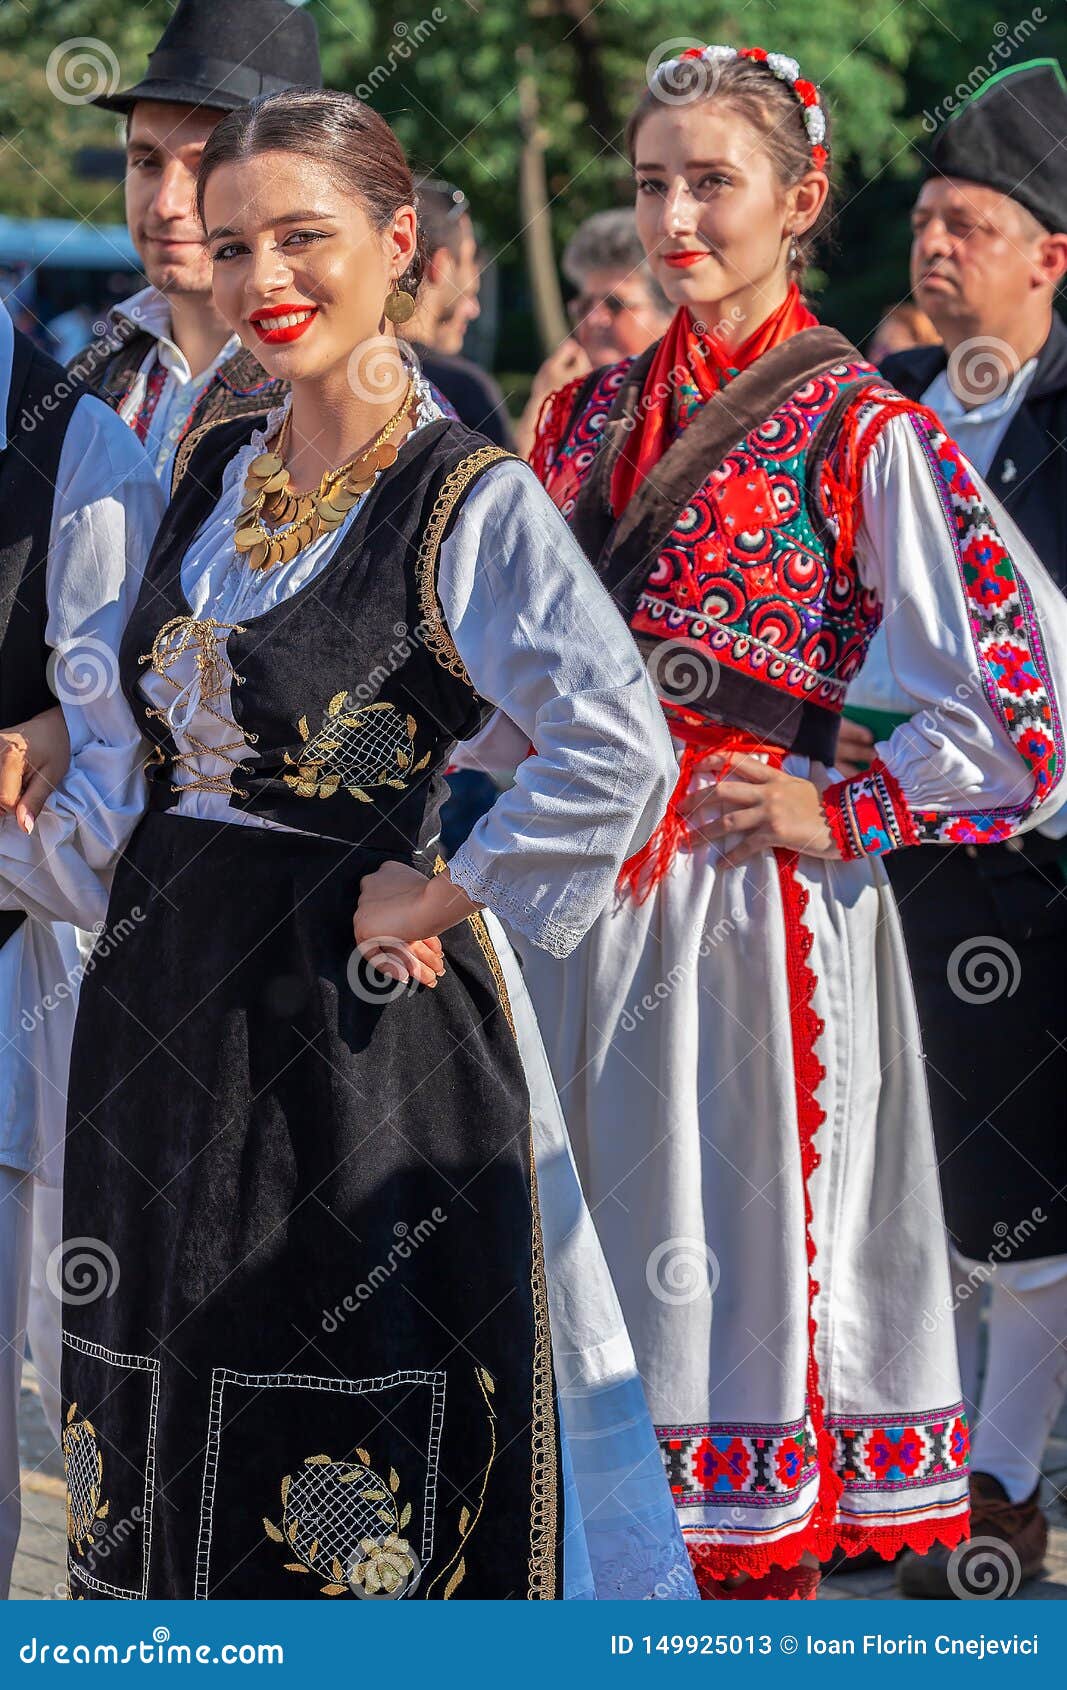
x: 855, y: 748
x: 34, y: 757
x: 565, y: 364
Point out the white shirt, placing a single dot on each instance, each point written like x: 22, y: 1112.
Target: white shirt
x: 979, y: 430
x: 182, y: 390
x: 882, y: 683
x: 105, y: 512
x: 538, y: 635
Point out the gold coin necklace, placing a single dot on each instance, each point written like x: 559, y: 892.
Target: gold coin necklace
x: 297, y: 519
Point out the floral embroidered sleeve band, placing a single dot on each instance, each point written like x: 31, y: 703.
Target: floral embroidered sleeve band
x: 975, y: 634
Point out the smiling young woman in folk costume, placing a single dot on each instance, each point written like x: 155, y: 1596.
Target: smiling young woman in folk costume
x: 328, y: 1359
x: 735, y: 1042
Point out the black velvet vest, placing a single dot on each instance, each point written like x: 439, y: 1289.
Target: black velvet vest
x: 351, y: 690
x: 39, y: 408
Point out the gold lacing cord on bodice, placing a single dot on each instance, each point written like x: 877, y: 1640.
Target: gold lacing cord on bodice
x: 180, y: 635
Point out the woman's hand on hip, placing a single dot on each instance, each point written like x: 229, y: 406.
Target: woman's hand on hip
x: 769, y: 808
x: 391, y: 925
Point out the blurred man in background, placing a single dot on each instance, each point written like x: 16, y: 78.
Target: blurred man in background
x: 986, y: 929
x: 447, y: 303
x: 618, y: 308
x: 171, y: 362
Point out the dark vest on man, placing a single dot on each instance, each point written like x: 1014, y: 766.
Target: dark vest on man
x: 995, y: 1042
x: 1029, y: 472
x: 108, y: 368
x: 39, y: 409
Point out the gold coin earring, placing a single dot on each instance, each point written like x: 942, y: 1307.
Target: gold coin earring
x: 399, y: 305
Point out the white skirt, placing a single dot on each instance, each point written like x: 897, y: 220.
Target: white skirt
x: 686, y: 1064
x: 621, y: 1536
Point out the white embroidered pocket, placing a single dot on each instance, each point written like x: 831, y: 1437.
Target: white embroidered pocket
x: 343, y: 1495
x: 109, y: 1433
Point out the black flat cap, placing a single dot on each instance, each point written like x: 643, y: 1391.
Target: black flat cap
x: 1011, y: 134
x: 222, y: 53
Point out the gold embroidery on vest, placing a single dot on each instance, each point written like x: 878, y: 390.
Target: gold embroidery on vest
x: 365, y: 745
x: 438, y: 638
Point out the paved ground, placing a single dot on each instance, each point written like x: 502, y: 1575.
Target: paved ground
x: 40, y: 1560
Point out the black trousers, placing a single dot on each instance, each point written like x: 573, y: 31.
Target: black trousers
x: 986, y: 932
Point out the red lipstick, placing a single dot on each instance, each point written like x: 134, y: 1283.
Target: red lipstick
x: 279, y: 323
x: 682, y: 260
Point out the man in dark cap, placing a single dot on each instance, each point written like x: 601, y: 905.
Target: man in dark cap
x: 170, y: 362
x: 986, y: 929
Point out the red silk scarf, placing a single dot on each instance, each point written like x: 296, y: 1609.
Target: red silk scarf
x: 697, y: 361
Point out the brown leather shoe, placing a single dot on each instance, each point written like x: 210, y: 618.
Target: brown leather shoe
x: 1007, y: 1545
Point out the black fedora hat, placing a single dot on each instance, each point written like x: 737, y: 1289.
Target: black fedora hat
x: 222, y: 53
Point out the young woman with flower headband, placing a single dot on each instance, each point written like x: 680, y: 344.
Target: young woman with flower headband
x: 735, y: 1042
x: 335, y: 1325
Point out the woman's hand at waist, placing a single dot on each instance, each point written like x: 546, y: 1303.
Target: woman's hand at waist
x: 34, y: 757
x: 768, y: 807
x: 399, y: 917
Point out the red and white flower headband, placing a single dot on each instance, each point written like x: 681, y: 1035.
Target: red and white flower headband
x: 786, y: 70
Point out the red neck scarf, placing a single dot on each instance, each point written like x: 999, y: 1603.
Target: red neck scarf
x: 705, y: 366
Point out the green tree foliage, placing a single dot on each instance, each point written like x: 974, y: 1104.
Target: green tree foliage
x: 445, y: 73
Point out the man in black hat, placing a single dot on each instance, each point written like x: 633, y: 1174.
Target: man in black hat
x: 986, y: 929
x: 79, y: 508
x: 170, y: 362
